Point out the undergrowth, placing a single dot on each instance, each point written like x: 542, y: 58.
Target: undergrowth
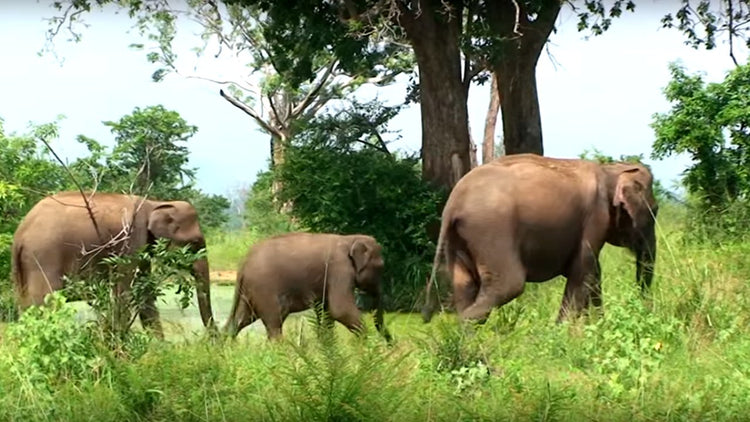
x: 678, y: 354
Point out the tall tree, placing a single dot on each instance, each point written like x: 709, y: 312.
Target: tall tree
x: 520, y: 30
x: 151, y: 154
x: 455, y: 42
x: 240, y: 32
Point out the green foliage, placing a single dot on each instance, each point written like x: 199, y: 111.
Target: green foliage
x: 341, y: 178
x: 262, y: 213
x: 708, y: 122
x: 679, y: 354
x: 149, y: 156
x: 169, y: 267
x: 324, y: 380
x: 701, y: 23
x: 212, y: 210
x: 27, y: 172
x: 8, y: 310
x: 52, y: 347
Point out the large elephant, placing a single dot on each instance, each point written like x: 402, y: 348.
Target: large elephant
x: 294, y: 271
x: 63, y: 235
x: 527, y: 218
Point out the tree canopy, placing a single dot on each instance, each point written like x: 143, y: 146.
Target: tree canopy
x: 710, y: 123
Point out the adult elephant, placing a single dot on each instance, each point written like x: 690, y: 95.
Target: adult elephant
x: 291, y: 272
x: 67, y: 233
x: 527, y: 218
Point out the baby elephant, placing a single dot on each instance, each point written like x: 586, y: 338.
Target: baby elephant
x: 290, y: 272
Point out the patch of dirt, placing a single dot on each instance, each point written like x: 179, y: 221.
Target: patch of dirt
x: 223, y: 276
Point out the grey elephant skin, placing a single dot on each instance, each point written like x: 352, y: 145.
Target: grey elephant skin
x: 292, y: 272
x: 58, y: 237
x: 527, y: 218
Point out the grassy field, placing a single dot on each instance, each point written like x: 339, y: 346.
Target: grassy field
x: 681, y: 354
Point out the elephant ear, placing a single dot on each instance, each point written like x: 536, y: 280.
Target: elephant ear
x: 160, y: 221
x: 628, y: 192
x: 359, y: 253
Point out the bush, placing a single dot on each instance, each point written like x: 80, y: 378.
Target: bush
x: 261, y: 214
x: 8, y: 311
x: 52, y: 347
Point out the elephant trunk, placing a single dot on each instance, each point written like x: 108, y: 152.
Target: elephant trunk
x: 378, y: 305
x: 645, y: 254
x: 203, y: 291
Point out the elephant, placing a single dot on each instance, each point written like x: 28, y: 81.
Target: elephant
x: 70, y: 232
x: 528, y: 218
x: 292, y: 272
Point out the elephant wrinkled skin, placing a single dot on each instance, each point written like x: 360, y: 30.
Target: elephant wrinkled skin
x: 527, y: 218
x: 291, y: 272
x: 58, y: 237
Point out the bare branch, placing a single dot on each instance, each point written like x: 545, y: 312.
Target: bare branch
x: 313, y: 93
x: 78, y: 185
x: 730, y: 12
x: 250, y: 112
x: 378, y: 147
x: 273, y: 108
x: 366, y: 16
x: 383, y: 146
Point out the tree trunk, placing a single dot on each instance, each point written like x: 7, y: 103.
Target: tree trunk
x: 515, y: 67
x: 490, y: 122
x: 278, y: 148
x: 522, y: 122
x: 472, y: 152
x: 434, y: 36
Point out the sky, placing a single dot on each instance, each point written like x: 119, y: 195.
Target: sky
x: 596, y: 93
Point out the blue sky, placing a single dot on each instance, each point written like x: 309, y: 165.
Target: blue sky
x: 598, y: 93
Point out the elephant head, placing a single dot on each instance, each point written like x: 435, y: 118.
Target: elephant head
x: 178, y: 221
x: 367, y: 261
x: 633, y: 210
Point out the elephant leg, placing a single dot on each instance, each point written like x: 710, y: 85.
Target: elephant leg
x: 147, y: 312
x: 343, y: 308
x: 272, y: 316
x: 465, y: 287
x: 502, y: 280
x: 583, y: 284
x: 39, y: 283
x: 149, y: 315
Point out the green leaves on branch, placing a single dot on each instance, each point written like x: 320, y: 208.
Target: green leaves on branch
x: 710, y: 123
x: 702, y: 21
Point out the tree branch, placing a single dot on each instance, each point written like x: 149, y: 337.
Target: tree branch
x: 730, y: 12
x: 313, y: 93
x: 78, y: 185
x: 250, y: 112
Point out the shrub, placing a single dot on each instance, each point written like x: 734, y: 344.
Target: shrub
x: 340, y: 177
x: 51, y: 346
x: 8, y: 311
x: 261, y: 214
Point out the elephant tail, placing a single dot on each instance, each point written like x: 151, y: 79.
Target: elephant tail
x: 431, y: 300
x: 231, y: 326
x: 16, y: 269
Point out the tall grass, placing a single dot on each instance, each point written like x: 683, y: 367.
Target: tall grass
x: 227, y: 249
x: 679, y: 354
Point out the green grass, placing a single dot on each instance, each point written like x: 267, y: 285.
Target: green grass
x: 681, y: 354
